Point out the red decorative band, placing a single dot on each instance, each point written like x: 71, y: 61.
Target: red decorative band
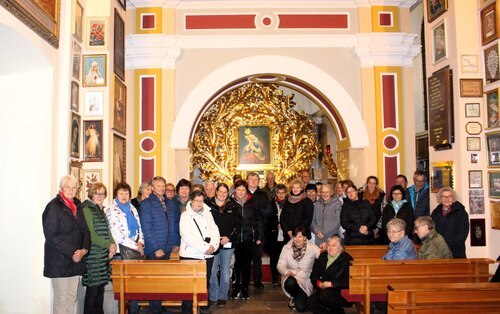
x: 147, y: 169
x: 335, y: 21
x: 226, y: 21
x: 147, y: 104
x: 389, y: 100
x: 391, y: 171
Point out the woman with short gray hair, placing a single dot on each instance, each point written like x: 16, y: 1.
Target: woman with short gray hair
x: 401, y: 247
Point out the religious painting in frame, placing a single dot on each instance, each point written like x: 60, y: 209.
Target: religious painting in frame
x: 495, y: 214
x: 94, y: 103
x: 119, y: 160
x: 435, y: 8
x: 443, y: 174
x: 475, y: 179
x: 95, y: 71
x: 119, y: 46
x: 75, y: 135
x: 93, y: 140
x: 254, y: 147
x: 476, y: 201
x: 477, y: 232
x: 78, y: 22
x: 441, y: 123
x: 493, y: 142
x: 75, y: 169
x: 75, y: 97
x: 491, y: 64
x: 90, y: 177
x: 123, y: 3
x: 76, y: 55
x: 492, y: 109
x: 42, y: 16
x: 97, y: 32
x: 439, y: 42
x: 120, y: 107
x: 489, y: 28
x: 494, y: 184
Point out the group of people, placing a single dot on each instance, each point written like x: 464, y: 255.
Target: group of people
x: 213, y: 222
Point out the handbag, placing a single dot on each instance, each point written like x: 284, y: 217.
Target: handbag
x: 129, y: 254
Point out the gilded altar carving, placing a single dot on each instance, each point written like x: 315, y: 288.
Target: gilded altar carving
x: 223, y: 134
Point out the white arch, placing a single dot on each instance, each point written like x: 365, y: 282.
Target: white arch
x: 307, y: 72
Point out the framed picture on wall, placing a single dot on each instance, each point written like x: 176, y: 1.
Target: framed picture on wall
x: 90, y: 177
x: 475, y: 179
x: 489, y: 28
x: 473, y: 143
x: 494, y: 184
x: 78, y: 22
x: 477, y: 232
x: 439, y: 42
x: 76, y: 54
x: 491, y: 64
x: 75, y: 169
x: 95, y: 71
x: 435, y: 8
x: 495, y: 214
x: 120, y: 107
x: 443, y: 174
x: 472, y: 110
x: 119, y: 47
x: 75, y: 135
x: 94, y: 103
x: 476, y: 201
x: 493, y: 142
x: 471, y: 88
x: 93, y: 142
x: 254, y: 147
x: 119, y: 160
x: 75, y: 96
x: 492, y: 108
x: 97, y: 32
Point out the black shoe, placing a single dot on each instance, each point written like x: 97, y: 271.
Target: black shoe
x: 204, y: 310
x: 235, y: 294
x: 244, y: 294
x: 221, y: 303
x: 258, y: 284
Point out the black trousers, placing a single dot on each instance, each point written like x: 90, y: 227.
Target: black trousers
x: 327, y: 301
x: 274, y: 256
x: 242, y: 266
x: 94, y: 300
x: 257, y: 262
x: 293, y: 288
x: 187, y: 305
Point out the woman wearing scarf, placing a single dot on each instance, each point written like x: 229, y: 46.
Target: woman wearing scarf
x: 125, y: 227
x: 357, y: 218
x: 376, y: 197
x: 330, y: 274
x: 298, y: 211
x: 295, y: 266
x: 398, y: 207
x: 67, y: 241
x: 102, y: 249
x: 183, y: 189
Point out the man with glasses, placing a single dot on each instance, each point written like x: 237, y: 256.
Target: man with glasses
x: 433, y: 244
x: 305, y: 176
x: 418, y: 195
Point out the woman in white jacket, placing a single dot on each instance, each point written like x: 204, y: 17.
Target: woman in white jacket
x: 199, y: 236
x: 295, y: 266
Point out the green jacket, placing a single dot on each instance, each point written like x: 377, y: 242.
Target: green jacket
x: 434, y: 247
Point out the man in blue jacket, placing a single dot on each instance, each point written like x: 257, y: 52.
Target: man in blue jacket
x: 418, y: 195
x: 160, y: 225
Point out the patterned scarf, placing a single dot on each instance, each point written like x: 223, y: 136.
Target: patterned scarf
x: 296, y: 198
x: 397, y: 205
x: 298, y: 254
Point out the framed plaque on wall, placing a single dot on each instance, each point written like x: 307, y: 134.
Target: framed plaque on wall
x: 441, y: 127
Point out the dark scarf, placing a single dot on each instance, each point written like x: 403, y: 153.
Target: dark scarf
x: 297, y: 253
x: 296, y: 198
x: 133, y: 225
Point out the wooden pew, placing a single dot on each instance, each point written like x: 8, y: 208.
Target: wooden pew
x: 441, y: 298
x: 369, y: 251
x: 368, y: 278
x: 172, y: 280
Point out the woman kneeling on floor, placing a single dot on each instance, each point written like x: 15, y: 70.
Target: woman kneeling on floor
x: 295, y: 266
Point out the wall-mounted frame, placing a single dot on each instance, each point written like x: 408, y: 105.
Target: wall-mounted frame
x: 75, y: 97
x: 443, y: 174
x: 119, y: 160
x: 95, y: 70
x: 469, y: 64
x: 78, y: 22
x: 76, y: 54
x: 97, y: 32
x: 472, y: 110
x: 435, y: 8
x: 43, y: 17
x: 94, y: 103
x: 441, y: 121
x: 120, y: 107
x: 493, y: 142
x: 119, y: 46
x: 89, y: 178
x: 75, y: 135
x: 494, y: 184
x: 473, y: 144
x: 495, y: 214
x: 93, y: 140
x: 474, y: 158
x: 75, y: 169
x: 471, y: 88
x: 489, y: 28
x: 254, y: 147
x: 439, y: 47
x: 492, y: 108
x: 475, y: 179
x: 477, y: 232
x: 491, y: 64
x: 476, y: 202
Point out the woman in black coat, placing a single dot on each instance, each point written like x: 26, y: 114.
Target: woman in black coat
x: 330, y: 274
x: 357, y: 219
x: 398, y: 207
x: 298, y: 211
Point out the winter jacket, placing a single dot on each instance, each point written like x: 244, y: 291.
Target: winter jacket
x: 405, y: 213
x: 252, y: 228
x: 421, y: 207
x: 64, y: 234
x: 326, y: 218
x: 299, y: 214
x: 302, y: 267
x: 160, y: 228
x: 273, y: 225
x: 227, y: 218
x: 119, y: 228
x: 454, y: 227
x: 378, y: 204
x: 195, y: 228
x: 401, y: 250
x: 355, y: 214
x: 434, y: 247
x: 337, y: 272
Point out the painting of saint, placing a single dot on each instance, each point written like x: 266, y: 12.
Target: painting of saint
x: 93, y: 140
x: 95, y: 70
x: 119, y: 166
x: 254, y: 145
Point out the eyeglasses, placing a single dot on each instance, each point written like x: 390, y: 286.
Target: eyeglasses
x: 447, y: 197
x: 170, y: 190
x: 393, y: 232
x: 416, y: 227
x: 99, y: 194
x: 397, y: 193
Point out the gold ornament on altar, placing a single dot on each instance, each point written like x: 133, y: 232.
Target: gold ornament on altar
x: 254, y: 127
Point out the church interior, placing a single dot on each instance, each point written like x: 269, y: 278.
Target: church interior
x: 125, y: 90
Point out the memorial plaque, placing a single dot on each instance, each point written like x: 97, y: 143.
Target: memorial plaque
x: 441, y: 128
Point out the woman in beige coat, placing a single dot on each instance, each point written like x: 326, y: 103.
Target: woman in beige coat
x: 295, y: 266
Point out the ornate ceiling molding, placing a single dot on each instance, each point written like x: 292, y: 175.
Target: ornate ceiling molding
x: 373, y: 49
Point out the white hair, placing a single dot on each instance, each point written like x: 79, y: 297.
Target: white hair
x: 68, y: 178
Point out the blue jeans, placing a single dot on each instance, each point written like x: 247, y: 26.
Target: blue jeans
x: 219, y: 287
